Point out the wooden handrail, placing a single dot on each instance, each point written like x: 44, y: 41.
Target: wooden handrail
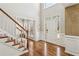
x: 13, y: 19
x: 18, y: 29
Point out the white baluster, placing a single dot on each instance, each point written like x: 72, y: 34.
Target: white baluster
x: 31, y: 48
x: 58, y: 51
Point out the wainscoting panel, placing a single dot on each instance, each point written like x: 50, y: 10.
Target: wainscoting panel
x: 72, y: 44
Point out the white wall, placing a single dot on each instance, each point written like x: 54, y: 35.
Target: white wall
x: 23, y: 10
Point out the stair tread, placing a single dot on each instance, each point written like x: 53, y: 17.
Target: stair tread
x: 16, y: 46
x: 10, y: 43
x: 21, y: 49
x: 26, y: 51
x: 3, y: 40
x: 11, y: 46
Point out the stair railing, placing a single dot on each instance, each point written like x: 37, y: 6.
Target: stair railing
x: 8, y: 25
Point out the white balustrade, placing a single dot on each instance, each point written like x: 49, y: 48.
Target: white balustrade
x: 7, y: 24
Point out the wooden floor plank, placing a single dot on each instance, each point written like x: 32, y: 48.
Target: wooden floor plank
x: 51, y: 49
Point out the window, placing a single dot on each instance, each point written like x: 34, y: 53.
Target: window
x: 47, y: 5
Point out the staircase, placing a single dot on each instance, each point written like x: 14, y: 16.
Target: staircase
x: 9, y: 39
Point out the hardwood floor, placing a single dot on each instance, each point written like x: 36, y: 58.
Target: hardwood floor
x: 51, y: 49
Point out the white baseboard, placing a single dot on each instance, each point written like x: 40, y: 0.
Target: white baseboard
x: 70, y: 52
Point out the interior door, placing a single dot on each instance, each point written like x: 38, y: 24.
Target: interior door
x: 51, y: 29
